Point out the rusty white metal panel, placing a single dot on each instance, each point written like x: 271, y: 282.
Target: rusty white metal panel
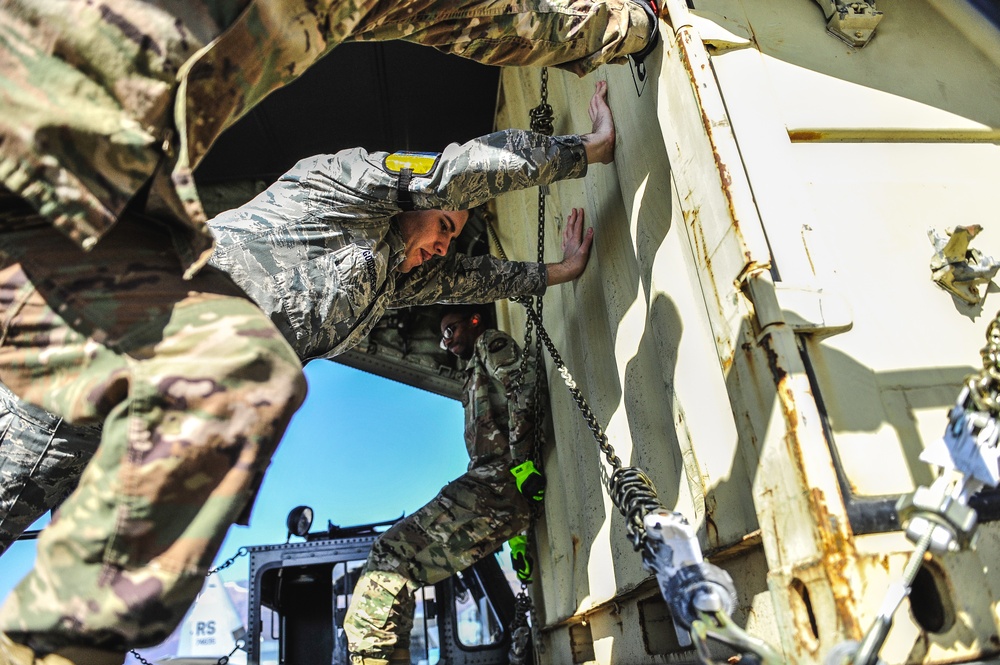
x: 851, y: 155
x: 850, y: 217
x: 760, y: 279
x: 636, y: 335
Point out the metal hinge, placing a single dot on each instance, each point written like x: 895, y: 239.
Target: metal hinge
x: 807, y: 310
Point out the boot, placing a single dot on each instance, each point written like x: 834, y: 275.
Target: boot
x: 653, y: 13
x: 398, y: 657
x: 14, y: 653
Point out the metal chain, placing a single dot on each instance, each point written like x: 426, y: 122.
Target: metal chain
x: 243, y: 551
x: 984, y: 387
x: 520, y: 629
x: 581, y: 401
x: 630, y: 488
x: 240, y: 644
x: 541, y: 123
x: 541, y: 115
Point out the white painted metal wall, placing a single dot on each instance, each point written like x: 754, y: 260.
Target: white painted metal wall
x: 767, y: 166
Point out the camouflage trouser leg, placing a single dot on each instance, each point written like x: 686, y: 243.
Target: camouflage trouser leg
x: 195, y: 387
x: 41, y: 459
x: 576, y: 35
x: 469, y: 519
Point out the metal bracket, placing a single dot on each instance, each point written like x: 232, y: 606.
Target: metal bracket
x: 956, y: 267
x: 807, y: 310
x: 853, y: 22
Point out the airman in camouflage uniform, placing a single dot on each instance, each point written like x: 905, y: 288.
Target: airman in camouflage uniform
x: 41, y: 459
x: 323, y: 261
x: 472, y: 516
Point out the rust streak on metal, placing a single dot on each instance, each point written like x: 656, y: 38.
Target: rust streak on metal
x: 805, y: 246
x: 802, y: 135
x: 701, y: 250
x: 711, y: 528
x: 725, y: 178
x: 833, y: 538
x: 727, y: 551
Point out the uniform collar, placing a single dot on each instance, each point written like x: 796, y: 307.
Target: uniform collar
x: 397, y: 248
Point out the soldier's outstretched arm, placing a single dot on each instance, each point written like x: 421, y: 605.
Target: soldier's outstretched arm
x: 480, y: 279
x: 470, y: 174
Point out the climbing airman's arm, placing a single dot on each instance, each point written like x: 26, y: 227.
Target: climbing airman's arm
x: 458, y: 278
x: 471, y: 174
x: 502, y: 359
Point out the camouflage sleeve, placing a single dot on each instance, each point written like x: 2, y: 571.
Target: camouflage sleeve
x: 470, y: 174
x: 458, y: 278
x: 355, y: 184
x: 502, y: 359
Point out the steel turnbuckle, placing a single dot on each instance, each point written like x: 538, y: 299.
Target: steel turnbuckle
x: 938, y: 518
x: 701, y: 596
x: 720, y: 627
x: 968, y: 456
x: 688, y: 583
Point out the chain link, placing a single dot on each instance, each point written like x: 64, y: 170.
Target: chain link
x: 984, y: 387
x: 631, y: 491
x: 581, y: 401
x: 520, y: 628
x: 243, y: 551
x: 541, y: 115
x: 240, y: 644
x: 541, y: 123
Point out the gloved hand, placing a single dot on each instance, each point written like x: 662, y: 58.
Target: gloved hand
x: 522, y: 562
x: 530, y: 481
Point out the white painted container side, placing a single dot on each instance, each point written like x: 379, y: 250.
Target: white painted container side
x: 758, y: 328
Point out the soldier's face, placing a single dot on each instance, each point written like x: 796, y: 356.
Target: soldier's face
x: 459, y: 335
x: 428, y: 233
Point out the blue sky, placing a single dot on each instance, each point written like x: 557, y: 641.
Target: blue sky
x: 361, y: 449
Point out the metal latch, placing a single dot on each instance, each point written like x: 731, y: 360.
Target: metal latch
x: 956, y: 267
x: 853, y: 22
x: 807, y: 310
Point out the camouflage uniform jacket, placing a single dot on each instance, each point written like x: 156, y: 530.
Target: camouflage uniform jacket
x: 318, y: 250
x: 99, y: 96
x: 499, y: 412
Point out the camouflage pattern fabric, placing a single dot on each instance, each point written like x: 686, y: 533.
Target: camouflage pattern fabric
x: 469, y: 519
x: 320, y: 278
x: 137, y: 89
x: 323, y: 278
x: 577, y: 36
x: 194, y: 387
x: 41, y: 459
x: 499, y: 412
x: 318, y: 253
